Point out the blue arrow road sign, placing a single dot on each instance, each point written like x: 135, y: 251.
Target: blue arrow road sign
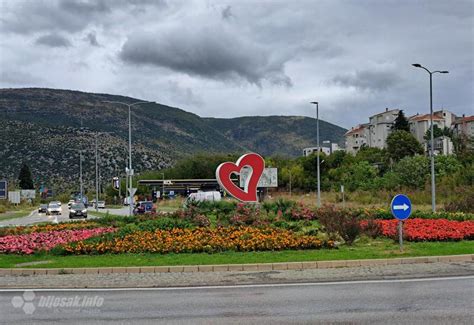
x: 401, y: 207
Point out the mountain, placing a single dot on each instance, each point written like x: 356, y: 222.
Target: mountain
x: 272, y: 135
x: 48, y: 128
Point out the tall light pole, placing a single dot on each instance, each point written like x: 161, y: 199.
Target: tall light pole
x: 433, y: 186
x: 80, y: 176
x: 130, y: 169
x: 163, y: 187
x: 319, y: 150
x: 96, y: 174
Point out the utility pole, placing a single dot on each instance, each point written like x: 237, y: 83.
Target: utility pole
x: 163, y: 194
x: 80, y: 176
x: 290, y: 183
x: 129, y: 169
x: 433, y: 184
x: 96, y: 174
x: 317, y: 157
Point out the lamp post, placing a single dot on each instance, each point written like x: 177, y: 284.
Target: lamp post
x: 163, y: 187
x: 130, y: 170
x: 96, y: 174
x: 319, y: 150
x: 433, y: 188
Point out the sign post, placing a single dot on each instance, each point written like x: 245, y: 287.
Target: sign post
x: 401, y: 210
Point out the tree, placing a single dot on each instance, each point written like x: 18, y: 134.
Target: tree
x: 401, y: 123
x: 438, y: 132
x: 26, y: 181
x: 401, y: 144
x: 413, y: 171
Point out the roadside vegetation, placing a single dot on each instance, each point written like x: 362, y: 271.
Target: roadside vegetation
x: 230, y: 232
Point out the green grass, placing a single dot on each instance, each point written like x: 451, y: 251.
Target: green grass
x: 15, y: 214
x: 364, y: 249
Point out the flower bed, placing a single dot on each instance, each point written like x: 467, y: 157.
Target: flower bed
x: 378, y: 213
x: 241, y: 239
x: 427, y: 229
x: 34, y: 242
x: 47, y: 227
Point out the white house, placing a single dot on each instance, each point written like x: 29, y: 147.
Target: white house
x: 323, y: 148
x: 464, y: 126
x: 419, y: 125
x: 356, y: 138
x: 380, y: 126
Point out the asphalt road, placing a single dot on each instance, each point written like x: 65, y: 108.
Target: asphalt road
x: 36, y: 217
x: 423, y: 301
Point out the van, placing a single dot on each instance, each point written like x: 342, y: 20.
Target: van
x: 212, y: 196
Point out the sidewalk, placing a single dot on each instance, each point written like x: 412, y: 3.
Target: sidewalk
x: 460, y: 265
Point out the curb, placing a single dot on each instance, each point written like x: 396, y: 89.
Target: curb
x: 240, y: 267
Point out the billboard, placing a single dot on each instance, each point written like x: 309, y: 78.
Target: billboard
x: 3, y: 189
x: 14, y: 197
x: 269, y: 177
x: 28, y: 194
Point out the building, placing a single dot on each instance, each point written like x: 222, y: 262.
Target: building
x: 327, y: 148
x: 356, y: 138
x: 380, y: 126
x: 420, y: 124
x: 464, y: 126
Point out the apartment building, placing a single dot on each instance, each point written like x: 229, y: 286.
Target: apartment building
x: 356, y: 138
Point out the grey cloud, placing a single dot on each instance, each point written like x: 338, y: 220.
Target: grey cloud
x: 206, y: 53
x: 92, y: 39
x: 19, y: 78
x: 65, y: 15
x: 85, y: 8
x: 53, y: 40
x: 227, y: 13
x: 372, y: 80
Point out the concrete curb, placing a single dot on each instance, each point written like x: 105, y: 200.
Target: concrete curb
x: 241, y: 267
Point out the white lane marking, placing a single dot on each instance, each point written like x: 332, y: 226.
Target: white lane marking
x: 269, y: 285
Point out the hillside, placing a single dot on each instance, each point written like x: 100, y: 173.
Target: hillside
x: 47, y: 128
x: 272, y: 135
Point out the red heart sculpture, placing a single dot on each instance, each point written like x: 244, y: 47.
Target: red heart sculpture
x: 225, y: 170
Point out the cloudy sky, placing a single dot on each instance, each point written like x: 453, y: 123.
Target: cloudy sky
x: 237, y: 58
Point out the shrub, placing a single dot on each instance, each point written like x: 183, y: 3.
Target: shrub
x: 461, y: 203
x: 341, y: 222
x: 245, y: 214
x: 371, y: 228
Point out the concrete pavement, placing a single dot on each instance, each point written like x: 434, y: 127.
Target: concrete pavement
x: 412, y: 301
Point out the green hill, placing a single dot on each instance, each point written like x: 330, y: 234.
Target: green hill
x: 47, y: 128
x: 272, y: 135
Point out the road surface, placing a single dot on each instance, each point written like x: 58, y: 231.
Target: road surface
x: 36, y: 217
x: 423, y: 301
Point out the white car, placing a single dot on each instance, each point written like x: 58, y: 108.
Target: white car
x: 53, y: 208
x: 101, y: 204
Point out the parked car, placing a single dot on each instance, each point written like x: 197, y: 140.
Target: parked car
x: 144, y: 207
x: 101, y: 204
x: 53, y: 208
x: 78, y: 210
x: 43, y: 208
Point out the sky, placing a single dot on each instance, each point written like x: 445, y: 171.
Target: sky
x: 241, y: 58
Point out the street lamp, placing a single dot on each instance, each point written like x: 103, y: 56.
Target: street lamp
x: 433, y: 189
x: 319, y: 149
x: 130, y: 170
x: 163, y: 187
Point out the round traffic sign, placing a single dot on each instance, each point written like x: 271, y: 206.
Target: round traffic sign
x: 401, y: 207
